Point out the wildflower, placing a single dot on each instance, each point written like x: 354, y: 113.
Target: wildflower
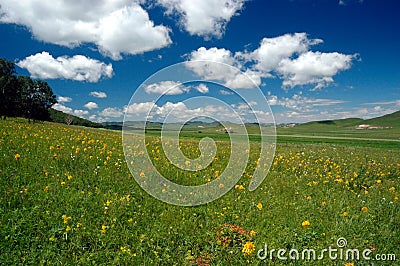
x: 46, y: 188
x: 17, y: 156
x: 323, y: 203
x: 66, y: 218
x: 142, y: 174
x: 69, y: 177
x: 259, y: 206
x: 52, y: 238
x: 308, y: 197
x: 103, y: 228
x: 345, y: 214
x: 63, y: 183
x: 306, y: 223
x: 187, y: 163
x: 392, y: 189
x: 253, y: 233
x: 366, y: 192
x: 379, y: 181
x: 239, y: 187
x: 248, y: 248
x: 349, y: 264
x: 396, y: 199
x: 364, y: 209
x: 68, y: 228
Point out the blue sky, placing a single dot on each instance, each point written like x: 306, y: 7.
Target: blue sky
x: 312, y: 59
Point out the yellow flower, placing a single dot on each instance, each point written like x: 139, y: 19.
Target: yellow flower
x: 259, y: 206
x: 52, y: 238
x: 46, y: 188
x: 253, y: 233
x: 68, y: 228
x: 187, y: 163
x: 103, y: 228
x: 345, y: 214
x: 248, y: 248
x: 396, y: 199
x: 364, y: 209
x: 17, y: 156
x: 392, y: 189
x: 378, y: 181
x: 239, y: 187
x: 63, y: 183
x: 69, y: 177
x: 142, y: 174
x: 349, y: 264
x: 366, y: 192
x: 308, y: 197
x: 323, y: 203
x: 306, y: 223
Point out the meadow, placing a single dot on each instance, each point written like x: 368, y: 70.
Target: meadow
x: 68, y: 198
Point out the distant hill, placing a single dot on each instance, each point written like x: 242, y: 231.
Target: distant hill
x: 63, y: 118
x: 391, y: 120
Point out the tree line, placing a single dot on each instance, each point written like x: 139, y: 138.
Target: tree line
x: 22, y: 96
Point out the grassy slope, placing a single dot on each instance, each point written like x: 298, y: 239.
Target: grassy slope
x: 81, y: 173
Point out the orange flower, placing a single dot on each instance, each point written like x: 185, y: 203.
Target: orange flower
x: 17, y: 156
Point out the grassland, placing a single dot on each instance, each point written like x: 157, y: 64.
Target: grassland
x: 67, y: 198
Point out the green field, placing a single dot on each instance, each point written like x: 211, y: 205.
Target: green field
x: 68, y: 198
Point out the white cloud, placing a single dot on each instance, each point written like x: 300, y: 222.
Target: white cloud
x: 98, y: 94
x: 139, y: 108
x: 286, y: 56
x: 167, y: 88
x: 273, y: 50
x: 301, y: 103
x: 111, y: 112
x: 62, y: 99
x: 115, y: 27
x: 202, y: 88
x: 198, y: 63
x: 224, y: 92
x: 206, y: 17
x: 80, y: 113
x: 79, y: 67
x: 62, y: 108
x: 313, y: 68
x: 91, y: 105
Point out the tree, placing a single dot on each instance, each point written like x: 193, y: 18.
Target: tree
x: 36, y: 97
x: 8, y: 94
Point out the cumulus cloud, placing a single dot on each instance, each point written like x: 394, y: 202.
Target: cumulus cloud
x: 81, y: 113
x: 203, y: 18
x: 166, y: 87
x: 111, y: 112
x: 115, y: 27
x: 170, y: 87
x: 313, y: 68
x: 91, y: 105
x: 287, y: 57
x: 79, y: 67
x: 139, y: 108
x: 273, y: 50
x: 62, y: 99
x: 202, y: 88
x: 98, y: 94
x: 62, y: 108
x: 198, y: 63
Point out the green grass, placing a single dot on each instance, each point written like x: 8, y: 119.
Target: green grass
x: 67, y: 197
